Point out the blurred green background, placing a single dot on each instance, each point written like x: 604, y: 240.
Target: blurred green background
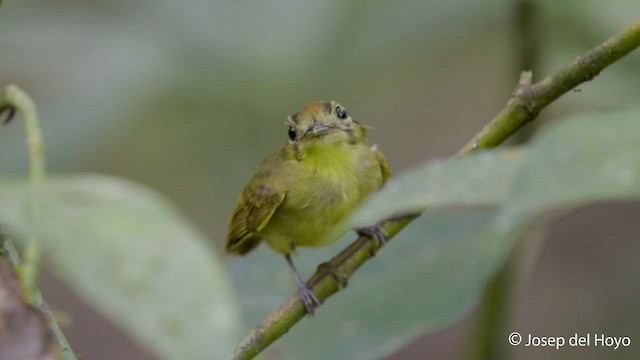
x: 187, y: 98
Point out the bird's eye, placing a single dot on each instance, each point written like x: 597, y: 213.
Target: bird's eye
x: 341, y: 113
x: 292, y: 134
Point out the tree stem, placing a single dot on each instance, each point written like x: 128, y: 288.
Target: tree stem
x: 488, y: 335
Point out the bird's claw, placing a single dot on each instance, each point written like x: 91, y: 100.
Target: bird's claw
x: 376, y: 232
x: 309, y: 299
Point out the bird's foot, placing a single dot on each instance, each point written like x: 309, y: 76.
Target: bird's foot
x: 376, y: 232
x: 307, y: 296
x: 309, y: 299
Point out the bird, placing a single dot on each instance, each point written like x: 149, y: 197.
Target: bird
x: 302, y: 193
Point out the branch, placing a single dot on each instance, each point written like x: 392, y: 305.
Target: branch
x: 525, y: 104
x: 528, y: 100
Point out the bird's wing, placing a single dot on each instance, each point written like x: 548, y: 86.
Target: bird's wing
x: 255, y: 207
x: 384, y: 166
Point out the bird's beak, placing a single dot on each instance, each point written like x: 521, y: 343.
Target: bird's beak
x: 317, y: 129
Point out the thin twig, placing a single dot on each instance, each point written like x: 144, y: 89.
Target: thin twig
x: 13, y: 98
x: 9, y: 252
x: 526, y: 102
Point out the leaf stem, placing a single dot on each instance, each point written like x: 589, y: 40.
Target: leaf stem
x: 13, y: 98
x: 527, y: 101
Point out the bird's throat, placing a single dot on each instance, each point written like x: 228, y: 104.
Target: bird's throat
x: 329, y: 159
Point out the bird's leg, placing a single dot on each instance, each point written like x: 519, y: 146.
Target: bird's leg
x: 308, y: 297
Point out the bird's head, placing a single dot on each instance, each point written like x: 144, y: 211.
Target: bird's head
x: 323, y: 123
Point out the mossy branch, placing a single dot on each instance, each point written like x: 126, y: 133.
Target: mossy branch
x: 526, y: 102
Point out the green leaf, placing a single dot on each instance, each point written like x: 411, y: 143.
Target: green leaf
x: 590, y: 158
x: 129, y: 253
x: 586, y: 159
x: 477, y: 179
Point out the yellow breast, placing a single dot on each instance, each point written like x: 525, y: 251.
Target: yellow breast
x: 332, y: 182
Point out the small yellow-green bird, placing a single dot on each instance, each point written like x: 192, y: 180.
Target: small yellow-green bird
x: 303, y: 191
